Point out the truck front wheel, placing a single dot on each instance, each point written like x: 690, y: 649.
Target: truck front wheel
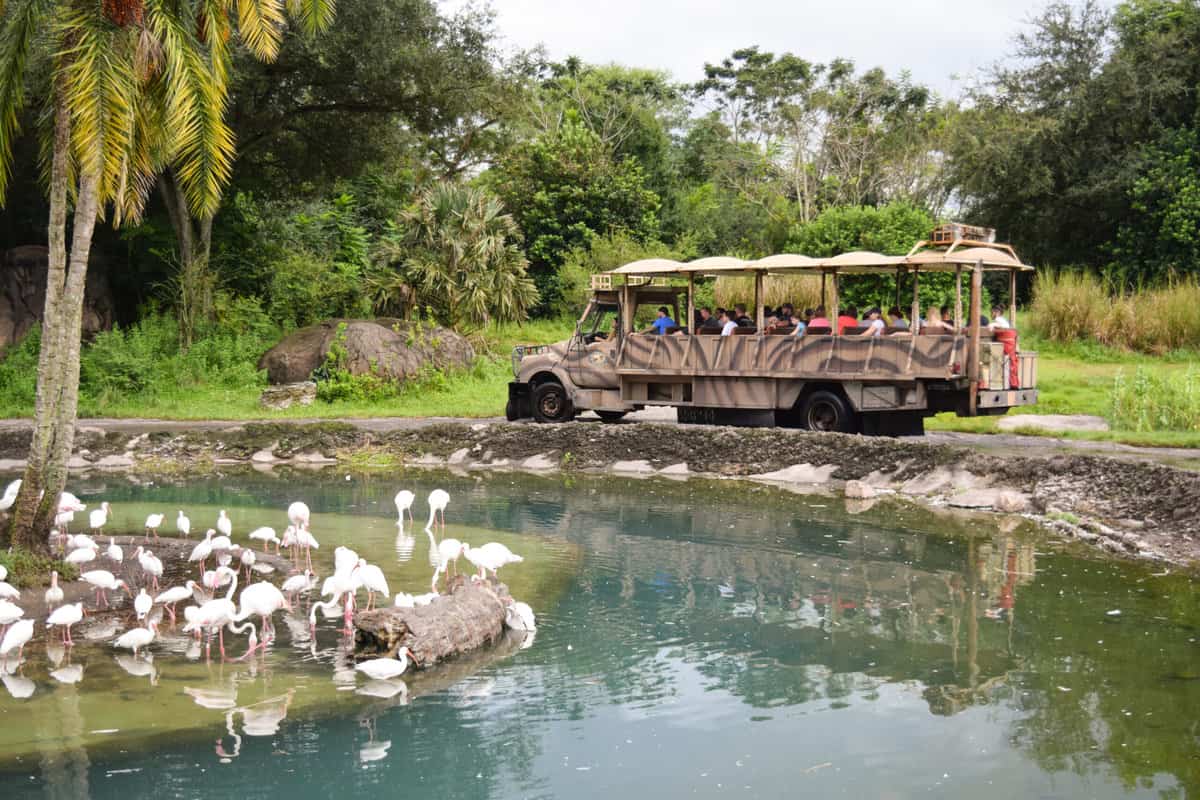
x: 826, y: 411
x: 551, y: 403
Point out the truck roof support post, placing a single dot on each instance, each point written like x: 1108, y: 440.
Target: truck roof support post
x: 836, y: 311
x: 1012, y: 297
x: 958, y: 315
x: 759, y: 321
x: 899, y: 276
x: 915, y: 322
x: 822, y: 288
x: 691, y: 303
x: 973, y: 353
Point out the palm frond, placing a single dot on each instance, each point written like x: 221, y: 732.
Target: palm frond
x: 314, y: 16
x: 260, y: 24
x: 20, y: 28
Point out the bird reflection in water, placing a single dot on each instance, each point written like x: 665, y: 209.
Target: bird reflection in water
x: 141, y: 666
x: 405, y: 544
x: 373, y: 750
x: 18, y: 686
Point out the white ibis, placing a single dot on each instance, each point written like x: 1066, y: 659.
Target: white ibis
x: 302, y: 582
x: 247, y: 558
x: 382, y: 669
x: 404, y: 502
x: 15, y: 638
x: 3, y: 573
x: 373, y: 581
x: 54, y: 595
x: 438, y: 500
x: 183, y: 524
x: 8, y: 591
x: 175, y: 594
x: 136, y: 638
x: 490, y: 557
x: 81, y: 556
x: 10, y: 495
x: 519, y: 616
x: 143, y: 603
x: 65, y: 617
x: 9, y: 613
x: 114, y: 551
x: 153, y: 523
x: 151, y: 564
x: 104, y: 582
x: 224, y: 523
x: 448, y: 552
x: 202, y: 550
x: 265, y: 535
x: 98, y: 518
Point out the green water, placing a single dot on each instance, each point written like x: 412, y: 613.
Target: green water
x: 695, y: 639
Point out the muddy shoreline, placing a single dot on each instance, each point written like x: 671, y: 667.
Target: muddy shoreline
x: 1140, y: 510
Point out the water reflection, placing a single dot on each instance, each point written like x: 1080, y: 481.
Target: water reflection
x: 697, y: 647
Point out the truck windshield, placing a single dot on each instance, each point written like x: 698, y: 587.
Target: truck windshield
x: 599, y: 319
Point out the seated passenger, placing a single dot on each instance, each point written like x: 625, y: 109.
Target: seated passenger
x: 896, y: 318
x: 802, y: 322
x: 933, y: 322
x: 787, y: 314
x: 847, y: 319
x: 874, y: 322
x: 728, y: 323
x: 662, y: 322
x: 999, y: 321
x: 707, y: 320
x: 818, y: 319
x: 740, y: 316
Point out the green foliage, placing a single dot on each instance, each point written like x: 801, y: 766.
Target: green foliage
x: 1151, y: 402
x: 565, y: 187
x: 603, y: 253
x: 26, y: 569
x: 457, y: 253
x: 18, y: 372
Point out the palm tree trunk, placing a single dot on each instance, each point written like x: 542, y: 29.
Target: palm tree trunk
x: 58, y: 361
x: 194, y: 239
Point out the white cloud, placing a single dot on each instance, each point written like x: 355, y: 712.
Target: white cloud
x: 933, y: 39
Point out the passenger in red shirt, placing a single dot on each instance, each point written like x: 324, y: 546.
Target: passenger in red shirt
x: 847, y: 319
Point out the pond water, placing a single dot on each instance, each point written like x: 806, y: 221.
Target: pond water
x: 699, y: 639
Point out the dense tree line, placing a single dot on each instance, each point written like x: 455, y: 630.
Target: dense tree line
x: 401, y: 159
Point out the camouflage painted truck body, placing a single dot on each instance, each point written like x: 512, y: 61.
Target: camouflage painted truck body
x: 875, y: 384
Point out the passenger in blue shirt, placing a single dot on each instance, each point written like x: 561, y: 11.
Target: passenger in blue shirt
x: 663, y: 322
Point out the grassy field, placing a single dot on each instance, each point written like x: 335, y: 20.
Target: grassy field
x: 1073, y: 379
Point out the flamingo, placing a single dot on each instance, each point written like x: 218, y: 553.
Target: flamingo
x: 8, y: 591
x: 344, y: 561
x: 288, y: 541
x: 66, y: 616
x: 114, y: 551
x: 382, y: 669
x: 336, y: 586
x: 105, y: 582
x: 216, y: 578
x: 9, y: 613
x: 298, y: 515
x: 263, y: 599
x: 438, y: 500
x: 490, y: 557
x: 68, y: 502
x: 10, y: 495
x: 136, y: 638
x: 142, y: 604
x: 99, y: 518
x: 373, y: 581
x: 264, y: 535
x: 171, y: 596
x: 202, y: 550
x: 54, y: 595
x: 404, y: 502
x: 183, y: 524
x: 252, y: 644
x: 3, y: 573
x: 247, y: 558
x: 216, y: 614
x: 153, y: 523
x: 224, y: 523
x: 151, y: 564
x: 15, y: 638
x: 308, y: 543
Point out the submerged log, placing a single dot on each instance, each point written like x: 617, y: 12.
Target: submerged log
x: 469, y: 616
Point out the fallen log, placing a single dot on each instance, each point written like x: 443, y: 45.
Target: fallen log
x: 469, y: 616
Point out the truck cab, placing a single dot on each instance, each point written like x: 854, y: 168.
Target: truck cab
x: 766, y: 374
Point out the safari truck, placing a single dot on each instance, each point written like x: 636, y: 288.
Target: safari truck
x: 823, y: 381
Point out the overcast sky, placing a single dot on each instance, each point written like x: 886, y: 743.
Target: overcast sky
x: 933, y: 39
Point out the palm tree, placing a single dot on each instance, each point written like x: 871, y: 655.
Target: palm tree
x: 459, y: 253
x: 133, y: 87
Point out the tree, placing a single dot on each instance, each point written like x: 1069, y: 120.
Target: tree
x: 456, y: 252
x: 563, y: 188
x: 131, y: 87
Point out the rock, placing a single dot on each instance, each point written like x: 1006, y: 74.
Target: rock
x: 263, y: 456
x: 313, y: 457
x: 390, y: 348
x: 800, y: 473
x: 23, y: 294
x: 674, y: 469
x: 859, y: 490
x: 975, y: 498
x: 541, y: 461
x: 632, y: 467
x: 459, y: 456
x: 1053, y: 422
x: 78, y: 462
x: 287, y: 395
x: 1011, y: 502
x: 114, y: 462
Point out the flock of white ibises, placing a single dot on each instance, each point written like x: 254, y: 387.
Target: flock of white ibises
x: 210, y: 613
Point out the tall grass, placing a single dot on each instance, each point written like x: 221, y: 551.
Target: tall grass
x: 1078, y: 306
x: 1150, y: 402
x: 802, y: 291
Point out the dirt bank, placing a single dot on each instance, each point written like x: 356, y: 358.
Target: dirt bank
x: 1140, y: 509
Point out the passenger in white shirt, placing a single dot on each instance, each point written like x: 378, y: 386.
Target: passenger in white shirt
x: 728, y: 325
x: 874, y: 323
x: 999, y: 321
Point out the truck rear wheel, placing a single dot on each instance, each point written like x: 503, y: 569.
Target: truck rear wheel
x: 551, y: 403
x: 826, y: 411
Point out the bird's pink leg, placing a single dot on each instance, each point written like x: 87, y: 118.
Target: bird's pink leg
x: 221, y: 636
x: 70, y: 641
x: 171, y: 611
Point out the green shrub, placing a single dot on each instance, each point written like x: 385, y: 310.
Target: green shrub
x: 18, y: 374
x: 1149, y: 402
x: 30, y: 569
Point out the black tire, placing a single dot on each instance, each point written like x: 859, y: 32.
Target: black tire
x: 511, y: 412
x: 828, y: 412
x: 551, y: 403
x: 611, y: 416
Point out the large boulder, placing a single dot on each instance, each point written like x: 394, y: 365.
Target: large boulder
x: 390, y: 348
x: 23, y: 294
